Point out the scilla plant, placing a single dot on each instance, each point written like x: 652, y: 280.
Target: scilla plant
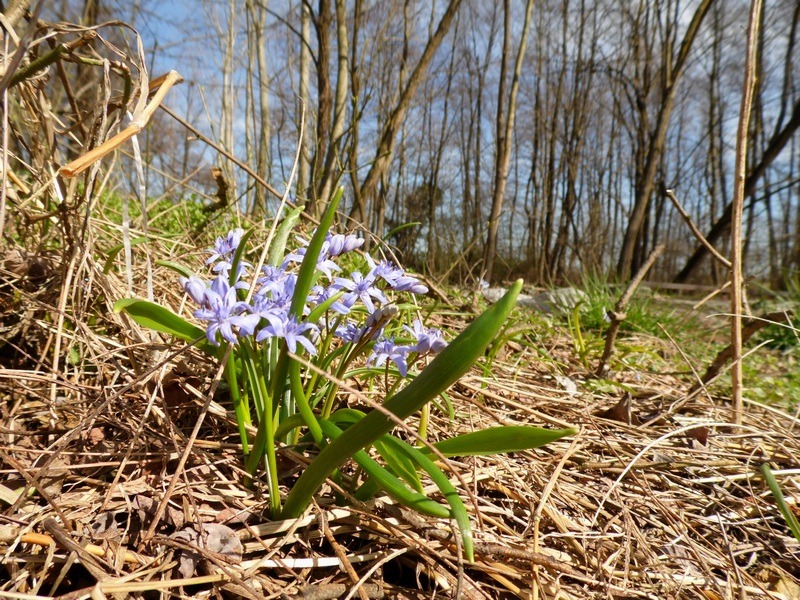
x: 282, y: 326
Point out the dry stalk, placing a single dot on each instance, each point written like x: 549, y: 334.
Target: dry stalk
x: 737, y: 281
x: 342, y: 556
x: 206, y: 140
x: 140, y: 121
x: 618, y: 315
x: 700, y: 237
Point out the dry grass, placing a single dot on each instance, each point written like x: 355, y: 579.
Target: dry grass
x: 619, y: 510
x: 660, y: 499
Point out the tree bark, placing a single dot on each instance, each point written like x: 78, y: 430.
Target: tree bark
x: 322, y: 24
x: 330, y: 175
x: 258, y: 148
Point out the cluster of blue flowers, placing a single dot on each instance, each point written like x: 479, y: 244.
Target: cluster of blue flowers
x: 267, y: 315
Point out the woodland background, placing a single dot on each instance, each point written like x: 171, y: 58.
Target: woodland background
x: 522, y: 138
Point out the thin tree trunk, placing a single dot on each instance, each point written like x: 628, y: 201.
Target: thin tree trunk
x: 656, y: 146
x: 330, y: 174
x: 387, y: 139
x: 226, y: 136
x: 737, y: 279
x: 304, y: 167
x: 263, y: 149
x: 355, y: 98
x: 322, y: 24
x: 505, y: 128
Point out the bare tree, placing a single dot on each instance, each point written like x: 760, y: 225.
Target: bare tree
x: 672, y: 70
x: 386, y: 142
x: 618, y: 100
x: 256, y: 21
x: 504, y: 128
x: 782, y: 134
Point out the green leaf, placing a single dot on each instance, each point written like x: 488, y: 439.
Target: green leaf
x: 443, y: 371
x: 302, y: 404
x: 399, y: 463
x: 278, y: 247
x: 112, y: 252
x: 180, y: 269
x: 288, y: 424
x: 499, y: 440
x: 237, y: 257
x: 347, y: 416
x: 400, y: 228
x: 443, y: 483
x: 388, y: 482
x: 775, y: 488
x: 156, y: 317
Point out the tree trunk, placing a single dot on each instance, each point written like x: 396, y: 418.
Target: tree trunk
x: 322, y: 24
x: 656, y: 145
x: 304, y: 168
x: 330, y: 175
x: 505, y: 130
x: 226, y: 126
x: 383, y: 155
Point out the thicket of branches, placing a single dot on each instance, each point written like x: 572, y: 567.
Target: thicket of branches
x: 533, y: 138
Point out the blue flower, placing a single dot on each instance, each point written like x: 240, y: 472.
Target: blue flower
x: 223, y: 268
x: 324, y: 264
x: 320, y: 294
x: 222, y: 255
x: 273, y: 278
x: 247, y: 324
x: 223, y: 311
x: 348, y: 332
x: 428, y: 340
x: 195, y: 288
x: 267, y: 308
x: 293, y: 257
x: 225, y: 248
x: 386, y: 270
x: 406, y: 283
x: 396, y: 277
x: 337, y: 244
x: 360, y: 287
x: 277, y: 294
x: 292, y: 331
x: 386, y: 349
